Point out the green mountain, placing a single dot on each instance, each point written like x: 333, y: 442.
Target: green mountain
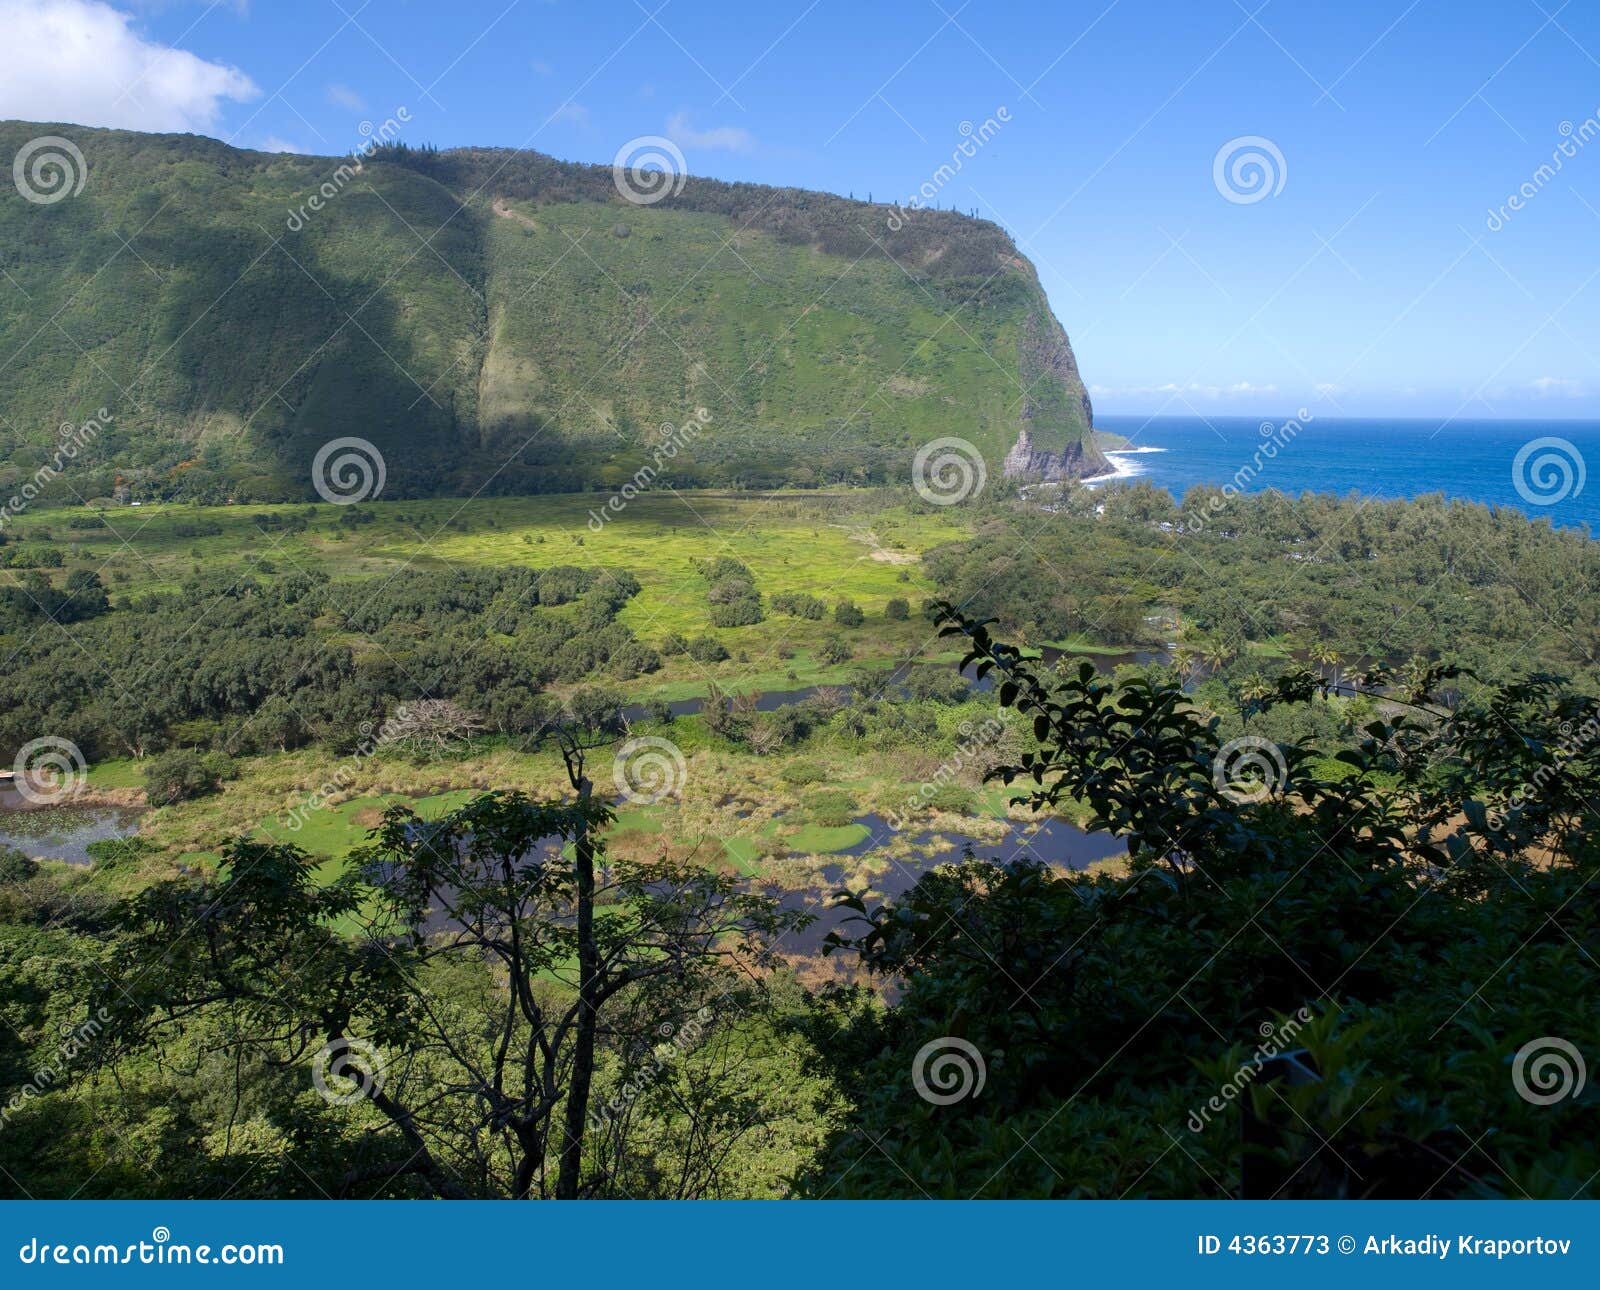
x: 501, y: 320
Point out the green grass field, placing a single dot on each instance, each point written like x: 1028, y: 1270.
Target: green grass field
x: 758, y: 815
x: 860, y: 544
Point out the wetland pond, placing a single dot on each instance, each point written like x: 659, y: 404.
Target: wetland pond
x: 61, y: 832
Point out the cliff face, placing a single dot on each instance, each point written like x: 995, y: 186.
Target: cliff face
x: 1075, y: 461
x: 1056, y: 438
x: 255, y: 318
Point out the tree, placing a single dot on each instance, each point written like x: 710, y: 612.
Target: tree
x: 432, y: 726
x: 464, y: 1012
x: 897, y: 610
x: 1409, y: 926
x: 1324, y: 655
x: 834, y: 650
x: 182, y: 774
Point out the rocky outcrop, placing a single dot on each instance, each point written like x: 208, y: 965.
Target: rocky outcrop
x: 1074, y: 461
x: 1057, y: 436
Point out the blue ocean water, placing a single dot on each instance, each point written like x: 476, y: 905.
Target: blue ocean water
x: 1537, y: 467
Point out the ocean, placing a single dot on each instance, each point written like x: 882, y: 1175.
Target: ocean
x: 1537, y: 467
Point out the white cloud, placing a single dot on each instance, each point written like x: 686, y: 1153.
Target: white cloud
x: 81, y: 61
x: 1239, y: 389
x: 1558, y: 387
x: 345, y: 97
x: 730, y: 138
x: 575, y: 113
x: 543, y: 68
x: 274, y: 144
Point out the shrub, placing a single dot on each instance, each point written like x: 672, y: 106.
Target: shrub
x: 112, y: 852
x: 707, y: 649
x: 798, y: 605
x: 803, y: 771
x: 184, y: 774
x: 829, y: 807
x: 834, y: 650
x: 897, y: 610
x: 736, y: 613
x: 15, y: 866
x: 848, y: 614
x: 955, y: 798
x: 734, y: 602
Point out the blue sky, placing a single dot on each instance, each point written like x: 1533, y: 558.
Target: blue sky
x: 1370, y: 281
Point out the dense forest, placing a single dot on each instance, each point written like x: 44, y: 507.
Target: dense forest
x: 287, y: 657
x: 1373, y: 581
x: 1337, y: 959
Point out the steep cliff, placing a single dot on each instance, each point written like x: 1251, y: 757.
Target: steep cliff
x: 503, y: 320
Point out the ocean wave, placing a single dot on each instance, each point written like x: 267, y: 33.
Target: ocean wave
x: 1122, y: 469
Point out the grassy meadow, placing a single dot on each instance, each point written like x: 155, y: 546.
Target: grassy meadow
x: 856, y: 544
x: 785, y: 818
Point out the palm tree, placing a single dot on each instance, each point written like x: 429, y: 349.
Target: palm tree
x: 1216, y: 652
x: 1186, y: 659
x: 1327, y: 657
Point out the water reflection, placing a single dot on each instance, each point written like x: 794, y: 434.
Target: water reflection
x: 60, y: 832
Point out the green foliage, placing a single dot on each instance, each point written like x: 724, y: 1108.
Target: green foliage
x: 467, y: 1059
x: 792, y: 313
x: 707, y: 649
x: 834, y: 650
x: 733, y: 597
x: 15, y: 866
x: 830, y: 807
x: 1408, y: 925
x: 492, y: 640
x: 1373, y: 580
x: 183, y: 774
x: 110, y: 853
x: 799, y: 605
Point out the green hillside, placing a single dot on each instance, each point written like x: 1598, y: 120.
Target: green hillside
x: 500, y: 320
